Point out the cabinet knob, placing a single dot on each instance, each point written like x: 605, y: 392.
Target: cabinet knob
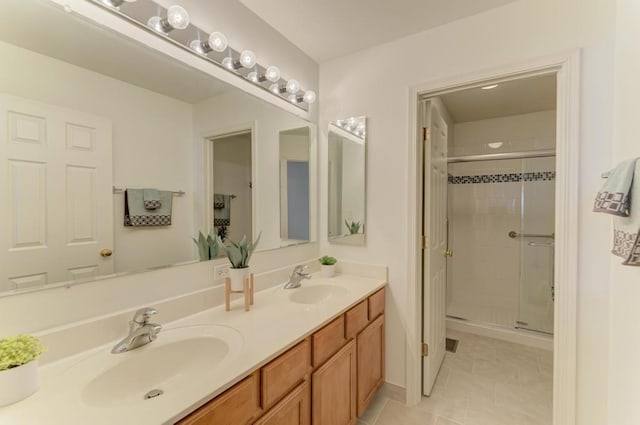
x: 106, y: 252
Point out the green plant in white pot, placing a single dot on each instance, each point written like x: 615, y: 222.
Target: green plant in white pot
x: 327, y: 266
x: 18, y: 367
x: 208, y: 246
x: 239, y: 255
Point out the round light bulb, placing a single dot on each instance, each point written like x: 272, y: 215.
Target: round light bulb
x: 275, y: 88
x: 293, y: 98
x: 155, y: 22
x: 248, y: 59
x: 196, y: 45
x: 228, y: 63
x: 360, y: 127
x: 253, y: 76
x: 351, y: 123
x: 309, y: 96
x: 293, y: 86
x: 218, y: 41
x: 178, y: 17
x: 272, y: 73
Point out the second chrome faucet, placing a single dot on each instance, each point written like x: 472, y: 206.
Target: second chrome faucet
x: 141, y: 332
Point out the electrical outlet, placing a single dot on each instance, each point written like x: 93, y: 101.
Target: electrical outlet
x: 220, y: 272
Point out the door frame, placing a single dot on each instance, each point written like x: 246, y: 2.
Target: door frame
x: 566, y: 66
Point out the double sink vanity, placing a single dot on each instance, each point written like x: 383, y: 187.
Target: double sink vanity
x: 313, y: 354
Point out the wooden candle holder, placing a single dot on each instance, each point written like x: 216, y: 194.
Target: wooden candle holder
x: 247, y: 291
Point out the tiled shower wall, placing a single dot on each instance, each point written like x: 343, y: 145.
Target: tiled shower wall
x: 486, y: 202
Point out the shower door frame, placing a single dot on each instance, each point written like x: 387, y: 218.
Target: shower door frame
x: 567, y: 69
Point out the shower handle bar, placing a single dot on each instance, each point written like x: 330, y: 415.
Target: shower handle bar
x: 513, y: 234
x: 543, y: 245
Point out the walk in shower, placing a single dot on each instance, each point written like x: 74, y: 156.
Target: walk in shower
x: 501, y: 232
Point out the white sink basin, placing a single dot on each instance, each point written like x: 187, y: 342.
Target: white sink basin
x: 316, y: 294
x: 179, y: 356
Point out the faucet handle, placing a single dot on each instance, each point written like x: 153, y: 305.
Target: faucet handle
x: 143, y: 315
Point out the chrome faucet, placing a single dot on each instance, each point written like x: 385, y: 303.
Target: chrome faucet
x: 298, y: 274
x: 141, y: 332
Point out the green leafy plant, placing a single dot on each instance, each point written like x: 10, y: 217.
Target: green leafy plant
x: 239, y: 253
x: 353, y: 226
x: 18, y: 350
x: 207, y: 245
x: 327, y: 261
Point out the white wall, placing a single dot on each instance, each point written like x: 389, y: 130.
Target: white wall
x: 376, y: 83
x: 624, y: 383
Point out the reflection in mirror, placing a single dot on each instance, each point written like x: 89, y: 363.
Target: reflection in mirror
x: 85, y: 110
x: 294, y: 185
x: 347, y: 181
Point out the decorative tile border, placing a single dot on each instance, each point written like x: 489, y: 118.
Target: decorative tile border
x: 504, y: 178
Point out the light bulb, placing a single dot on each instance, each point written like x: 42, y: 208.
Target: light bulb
x: 360, y: 127
x: 253, y: 76
x: 218, y: 41
x: 275, y: 88
x: 293, y: 86
x: 351, y: 123
x: 228, y: 63
x: 309, y: 96
x: 293, y: 98
x: 177, y: 17
x: 198, y: 46
x: 248, y: 59
x: 272, y: 73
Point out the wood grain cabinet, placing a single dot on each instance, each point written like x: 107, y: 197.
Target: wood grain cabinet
x: 334, y: 389
x: 294, y: 409
x: 370, y: 349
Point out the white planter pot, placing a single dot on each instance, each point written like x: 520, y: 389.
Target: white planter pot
x: 327, y: 271
x: 237, y: 277
x: 18, y: 383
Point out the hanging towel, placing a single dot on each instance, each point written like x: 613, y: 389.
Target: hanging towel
x: 222, y: 216
x: 218, y: 201
x: 621, y: 198
x: 151, y: 199
x: 135, y: 214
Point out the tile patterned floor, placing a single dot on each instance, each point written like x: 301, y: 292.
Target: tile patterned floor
x: 486, y: 382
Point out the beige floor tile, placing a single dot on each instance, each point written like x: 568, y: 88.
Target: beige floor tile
x: 374, y: 409
x: 395, y: 413
x: 451, y: 407
x: 444, y: 421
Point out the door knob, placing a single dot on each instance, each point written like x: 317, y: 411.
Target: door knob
x: 448, y: 253
x: 106, y: 252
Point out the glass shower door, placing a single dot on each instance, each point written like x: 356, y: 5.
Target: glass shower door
x: 537, y: 245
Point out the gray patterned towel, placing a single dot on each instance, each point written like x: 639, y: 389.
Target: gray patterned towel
x: 151, y: 199
x: 135, y: 214
x: 626, y: 209
x: 221, y: 210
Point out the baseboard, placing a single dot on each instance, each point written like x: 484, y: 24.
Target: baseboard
x: 394, y: 392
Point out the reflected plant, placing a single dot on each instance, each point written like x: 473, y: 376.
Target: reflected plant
x: 353, y: 226
x: 239, y: 253
x: 208, y: 246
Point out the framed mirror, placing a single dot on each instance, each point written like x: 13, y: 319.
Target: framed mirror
x: 87, y: 114
x: 347, y: 181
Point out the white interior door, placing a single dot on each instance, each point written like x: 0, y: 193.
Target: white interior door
x: 434, y: 255
x: 55, y: 194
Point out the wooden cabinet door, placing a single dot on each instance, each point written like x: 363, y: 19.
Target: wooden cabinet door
x: 294, y: 409
x: 334, y: 389
x: 370, y: 347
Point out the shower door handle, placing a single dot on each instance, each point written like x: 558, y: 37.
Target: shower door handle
x: 542, y: 245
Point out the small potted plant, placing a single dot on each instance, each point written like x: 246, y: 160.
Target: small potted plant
x: 353, y: 226
x: 18, y: 367
x: 239, y: 255
x: 207, y: 245
x: 327, y: 266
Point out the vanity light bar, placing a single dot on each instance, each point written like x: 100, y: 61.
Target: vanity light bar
x: 173, y: 24
x: 353, y: 125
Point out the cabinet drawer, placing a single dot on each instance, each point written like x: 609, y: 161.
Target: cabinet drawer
x: 237, y: 406
x: 294, y: 409
x: 284, y: 373
x: 376, y: 304
x: 327, y: 341
x: 356, y: 319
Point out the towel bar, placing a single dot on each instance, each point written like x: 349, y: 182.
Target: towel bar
x: 119, y: 190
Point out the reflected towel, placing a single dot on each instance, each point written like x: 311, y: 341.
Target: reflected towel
x: 135, y: 214
x: 615, y: 196
x: 222, y: 216
x: 151, y: 199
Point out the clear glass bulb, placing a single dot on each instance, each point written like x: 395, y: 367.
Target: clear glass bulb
x: 360, y: 127
x: 228, y: 63
x: 293, y: 86
x: 293, y: 98
x: 275, y: 88
x: 352, y: 123
x: 196, y: 45
x: 272, y: 73
x: 177, y: 17
x: 155, y: 23
x: 248, y: 59
x: 253, y: 76
x: 309, y: 96
x: 218, y: 41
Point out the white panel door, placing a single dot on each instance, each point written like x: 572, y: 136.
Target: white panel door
x: 434, y: 254
x: 55, y: 194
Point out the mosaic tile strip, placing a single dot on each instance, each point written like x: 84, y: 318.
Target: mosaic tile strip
x: 504, y: 178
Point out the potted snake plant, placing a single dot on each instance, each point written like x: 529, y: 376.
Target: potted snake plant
x: 239, y: 254
x: 18, y: 367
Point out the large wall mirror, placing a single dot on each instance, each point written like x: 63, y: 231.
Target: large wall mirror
x: 86, y: 113
x: 347, y: 181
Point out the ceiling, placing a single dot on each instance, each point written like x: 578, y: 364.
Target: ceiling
x: 70, y: 39
x: 326, y: 29
x: 522, y: 96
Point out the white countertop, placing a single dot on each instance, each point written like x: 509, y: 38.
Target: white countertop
x: 273, y: 325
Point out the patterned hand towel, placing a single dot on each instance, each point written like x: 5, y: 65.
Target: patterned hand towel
x: 218, y: 201
x: 222, y: 216
x: 151, y: 199
x: 626, y: 223
x: 135, y: 214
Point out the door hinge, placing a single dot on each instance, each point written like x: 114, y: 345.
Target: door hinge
x: 425, y: 133
x: 425, y: 350
x: 424, y: 242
